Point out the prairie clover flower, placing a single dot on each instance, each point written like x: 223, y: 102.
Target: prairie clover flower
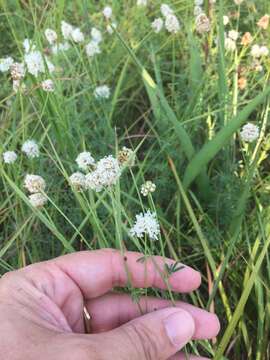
x: 77, y: 180
x: 233, y: 34
x: 141, y: 2
x: 230, y: 44
x: 66, y: 30
x: 85, y: 160
x: 93, y: 182
x: 157, y: 25
x: 92, y: 49
x: 51, y: 36
x: 147, y: 188
x: 38, y: 200
x: 47, y: 85
x: 259, y: 51
x: 263, y: 23
x: 226, y: 20
x: 9, y: 157
x: 108, y: 170
x: 30, y: 148
x: 126, y: 157
x: 102, y: 92
x: 166, y: 10
x: 107, y: 12
x: 197, y: 10
x: 146, y: 224
x: 203, y: 24
x: 106, y: 173
x: 34, y: 62
x: 249, y: 132
x: 172, y: 24
x: 6, y: 63
x: 17, y: 71
x: 246, y: 39
x: 34, y: 183
x: 77, y: 36
x: 198, y: 2
x: 96, y: 35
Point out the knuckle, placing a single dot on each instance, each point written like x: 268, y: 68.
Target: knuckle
x: 143, y: 341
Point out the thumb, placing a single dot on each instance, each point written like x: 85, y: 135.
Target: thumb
x: 157, y: 335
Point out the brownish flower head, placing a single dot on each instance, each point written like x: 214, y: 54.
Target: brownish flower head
x: 242, y: 83
x: 246, y: 39
x: 263, y: 23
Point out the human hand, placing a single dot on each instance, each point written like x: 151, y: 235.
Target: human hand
x: 41, y: 310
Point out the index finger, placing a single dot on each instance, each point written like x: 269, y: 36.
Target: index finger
x: 97, y: 272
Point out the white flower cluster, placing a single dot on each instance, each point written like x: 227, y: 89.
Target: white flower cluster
x: 36, y: 185
x: 258, y: 51
x: 107, y: 12
x: 93, y: 48
x: 9, y: 157
x: 230, y: 40
x: 30, y: 148
x: 146, y: 224
x: 147, y: 188
x: 47, y: 85
x: 69, y: 32
x: 249, y: 132
x: 102, y: 92
x: 202, y: 23
x: 51, y: 36
x: 171, y: 22
x: 5, y: 64
x: 141, y: 2
x: 85, y: 160
x: 106, y: 174
x: 102, y: 174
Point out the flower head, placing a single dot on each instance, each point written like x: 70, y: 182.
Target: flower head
x: 47, y: 85
x: 17, y: 71
x: 66, y: 30
x: 157, y: 25
x: 92, y: 49
x: 141, y: 2
x: 263, y: 23
x: 9, y: 157
x: 126, y: 157
x: 102, y: 92
x: 34, y: 183
x: 147, y: 188
x: 96, y: 35
x: 107, y: 12
x: 172, y: 24
x: 77, y: 180
x: 166, y: 10
x: 30, y: 148
x: 51, y: 36
x: 77, y: 36
x: 249, y: 132
x: 85, y: 160
x: 34, y: 62
x: 146, y: 224
x: 5, y: 63
x: 38, y: 200
x: 203, y: 24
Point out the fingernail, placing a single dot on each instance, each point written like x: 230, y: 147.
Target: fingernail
x: 179, y: 327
